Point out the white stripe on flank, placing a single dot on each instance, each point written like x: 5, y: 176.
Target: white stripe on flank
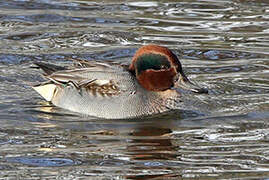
x: 101, y: 82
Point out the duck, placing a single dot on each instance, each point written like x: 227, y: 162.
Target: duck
x: 149, y: 85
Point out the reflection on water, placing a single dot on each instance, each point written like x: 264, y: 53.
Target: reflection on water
x: 222, y: 45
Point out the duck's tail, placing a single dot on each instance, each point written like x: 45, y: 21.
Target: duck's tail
x: 49, y: 68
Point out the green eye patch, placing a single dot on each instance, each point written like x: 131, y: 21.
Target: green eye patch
x: 151, y: 61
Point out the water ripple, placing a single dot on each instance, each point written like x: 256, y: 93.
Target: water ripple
x: 222, y: 46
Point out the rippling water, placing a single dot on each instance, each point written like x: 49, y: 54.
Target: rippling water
x: 223, y: 45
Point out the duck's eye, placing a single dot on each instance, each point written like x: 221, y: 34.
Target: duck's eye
x: 164, y: 67
x: 152, y: 61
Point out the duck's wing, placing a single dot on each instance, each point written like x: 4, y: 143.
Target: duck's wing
x: 78, y: 63
x: 96, y: 78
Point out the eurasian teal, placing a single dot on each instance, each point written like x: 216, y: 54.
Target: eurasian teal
x: 149, y: 85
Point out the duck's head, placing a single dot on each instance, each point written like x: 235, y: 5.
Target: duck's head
x: 158, y: 69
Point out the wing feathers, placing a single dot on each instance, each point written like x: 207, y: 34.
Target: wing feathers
x: 84, y: 76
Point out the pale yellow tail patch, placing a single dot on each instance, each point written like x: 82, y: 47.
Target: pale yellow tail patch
x: 47, y: 91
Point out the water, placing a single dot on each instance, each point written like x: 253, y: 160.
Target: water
x: 223, y: 45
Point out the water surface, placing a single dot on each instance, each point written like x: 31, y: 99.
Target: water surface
x: 223, y: 45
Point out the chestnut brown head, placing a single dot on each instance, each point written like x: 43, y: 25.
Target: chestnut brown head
x: 157, y: 69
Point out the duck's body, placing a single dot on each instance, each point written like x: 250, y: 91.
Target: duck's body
x: 113, y: 91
